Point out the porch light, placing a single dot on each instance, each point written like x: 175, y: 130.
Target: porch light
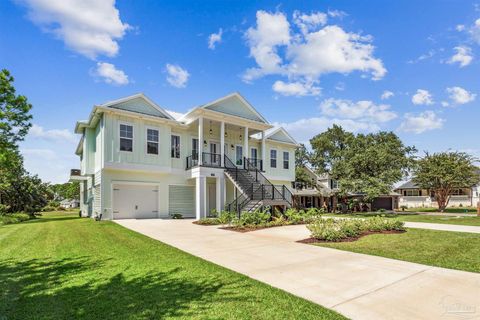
x: 240, y: 137
x: 210, y: 131
x: 205, y: 143
x: 226, y: 134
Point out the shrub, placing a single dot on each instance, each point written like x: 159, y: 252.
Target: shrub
x: 337, y: 229
x: 404, y: 207
x: 176, y: 216
x: 208, y: 221
x: 60, y: 208
x: 3, y: 209
x: 294, y: 216
x: 381, y: 210
x: 278, y: 221
x: 20, y: 216
x: 225, y: 217
x: 256, y: 218
x: 48, y: 209
x: 9, y: 219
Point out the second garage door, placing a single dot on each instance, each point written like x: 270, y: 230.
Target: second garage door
x: 135, y: 201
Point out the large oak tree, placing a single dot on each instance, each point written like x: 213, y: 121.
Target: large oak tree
x: 444, y: 172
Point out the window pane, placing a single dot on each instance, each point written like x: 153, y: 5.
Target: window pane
x: 285, y: 160
x: 152, y: 147
x: 126, y: 144
x: 175, y: 147
x: 273, y: 158
x: 152, y: 135
x: 126, y: 131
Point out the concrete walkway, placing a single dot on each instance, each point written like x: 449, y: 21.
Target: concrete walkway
x: 356, y: 285
x: 443, y: 227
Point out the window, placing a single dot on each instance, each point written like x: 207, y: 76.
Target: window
x: 126, y: 138
x: 152, y: 141
x: 286, y: 163
x: 333, y: 184
x: 412, y: 193
x: 239, y: 155
x: 254, y: 153
x: 175, y: 147
x: 194, y: 148
x: 273, y: 158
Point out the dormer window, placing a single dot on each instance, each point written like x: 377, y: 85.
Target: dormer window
x: 126, y: 138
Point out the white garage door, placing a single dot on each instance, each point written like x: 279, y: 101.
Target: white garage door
x: 181, y: 199
x: 135, y: 201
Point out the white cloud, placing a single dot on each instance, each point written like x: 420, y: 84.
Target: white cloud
x: 422, y: 97
x: 304, y: 129
x: 306, y: 55
x: 422, y: 122
x: 272, y: 30
x: 365, y: 110
x: 298, y: 89
x: 50, y: 165
x: 110, y: 74
x: 387, y: 95
x: 474, y: 31
x: 56, y: 135
x: 177, y: 76
x: 463, y: 56
x: 89, y: 27
x: 460, y: 27
x: 215, y: 38
x: 422, y: 57
x: 309, y: 22
x: 459, y: 95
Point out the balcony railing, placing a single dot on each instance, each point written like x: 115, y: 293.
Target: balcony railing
x: 206, y: 160
x: 254, y: 162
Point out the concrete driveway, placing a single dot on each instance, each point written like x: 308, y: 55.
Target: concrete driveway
x: 356, y: 285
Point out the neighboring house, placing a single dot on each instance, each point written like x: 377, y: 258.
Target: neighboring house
x: 321, y: 193
x: 412, y: 196
x: 69, y: 203
x: 138, y: 161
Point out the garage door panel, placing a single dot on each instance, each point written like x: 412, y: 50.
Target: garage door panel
x: 135, y: 202
x: 382, y: 203
x: 181, y: 199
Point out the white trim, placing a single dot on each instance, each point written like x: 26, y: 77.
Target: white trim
x: 125, y: 123
x: 270, y: 158
x: 283, y: 159
x: 134, y: 183
x: 281, y: 129
x: 146, y: 141
x: 179, y: 145
x: 135, y: 96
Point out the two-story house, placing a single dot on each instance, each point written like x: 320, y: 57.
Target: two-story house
x: 138, y: 161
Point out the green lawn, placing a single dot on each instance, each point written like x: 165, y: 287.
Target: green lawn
x: 64, y: 267
x: 455, y: 250
x: 447, y: 210
x: 459, y: 220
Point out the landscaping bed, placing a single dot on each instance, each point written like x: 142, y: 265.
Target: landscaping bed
x: 251, y: 221
x: 349, y: 239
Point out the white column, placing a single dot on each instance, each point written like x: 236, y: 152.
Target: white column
x: 220, y: 193
x: 200, y: 137
x: 200, y: 197
x: 245, y: 143
x: 264, y: 151
x: 222, y: 144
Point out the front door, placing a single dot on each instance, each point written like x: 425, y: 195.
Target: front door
x: 214, y: 154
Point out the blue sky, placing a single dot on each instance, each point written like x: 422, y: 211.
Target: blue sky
x: 407, y: 66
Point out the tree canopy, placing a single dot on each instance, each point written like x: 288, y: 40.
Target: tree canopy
x: 369, y: 164
x: 444, y: 172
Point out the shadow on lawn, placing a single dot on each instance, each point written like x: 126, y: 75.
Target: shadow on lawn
x: 68, y: 289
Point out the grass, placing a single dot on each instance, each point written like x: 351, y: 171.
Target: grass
x: 447, y: 210
x: 454, y: 250
x: 64, y: 267
x: 458, y: 220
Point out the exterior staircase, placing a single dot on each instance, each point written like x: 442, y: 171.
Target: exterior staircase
x: 257, y: 190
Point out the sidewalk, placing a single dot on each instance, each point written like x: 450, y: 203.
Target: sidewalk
x: 356, y: 285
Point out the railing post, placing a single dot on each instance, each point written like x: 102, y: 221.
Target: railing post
x: 263, y: 191
x: 283, y: 192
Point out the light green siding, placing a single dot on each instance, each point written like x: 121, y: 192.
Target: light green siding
x: 139, y: 105
x: 181, y: 200
x: 234, y: 106
x: 279, y: 173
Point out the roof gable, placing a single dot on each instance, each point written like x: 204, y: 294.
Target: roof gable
x: 235, y: 105
x: 139, y: 104
x: 280, y: 135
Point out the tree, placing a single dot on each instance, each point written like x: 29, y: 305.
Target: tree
x: 14, y: 114
x: 444, y: 172
x: 365, y: 163
x: 301, y: 160
x: 69, y: 190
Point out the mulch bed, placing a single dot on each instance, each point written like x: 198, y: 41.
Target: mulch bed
x: 351, y: 239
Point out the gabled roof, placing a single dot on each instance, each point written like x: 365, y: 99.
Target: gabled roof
x: 281, y: 135
x: 233, y: 104
x: 138, y: 103
x: 407, y: 185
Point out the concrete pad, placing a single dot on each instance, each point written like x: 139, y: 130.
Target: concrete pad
x: 356, y: 285
x: 443, y: 227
